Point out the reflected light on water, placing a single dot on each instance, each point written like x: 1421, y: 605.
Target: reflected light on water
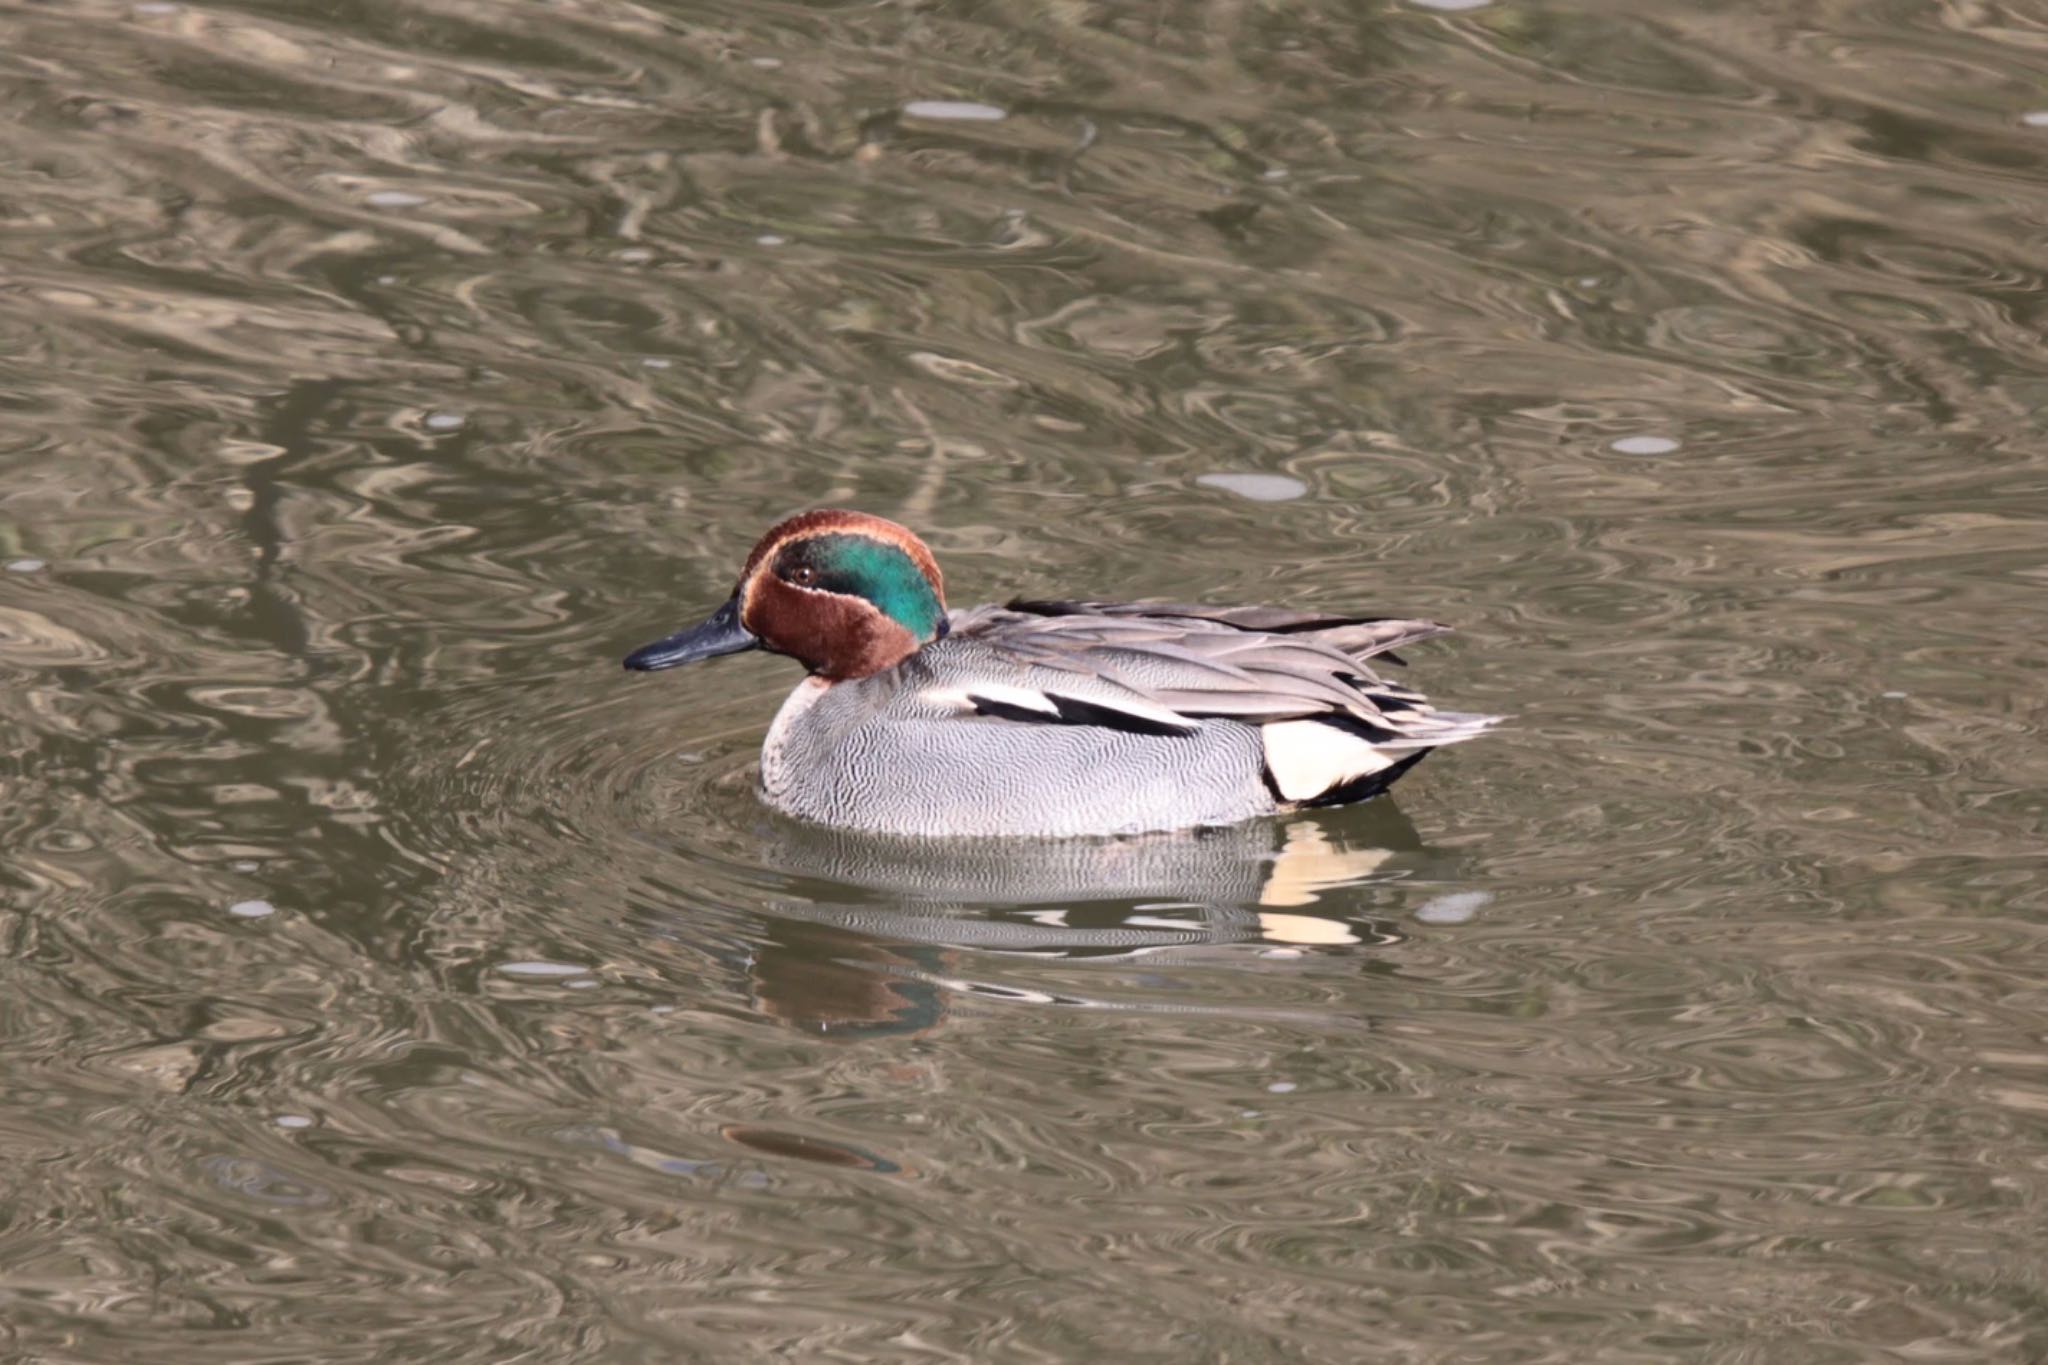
x: 386, y: 980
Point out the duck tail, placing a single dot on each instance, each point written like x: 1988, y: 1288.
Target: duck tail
x: 1376, y: 639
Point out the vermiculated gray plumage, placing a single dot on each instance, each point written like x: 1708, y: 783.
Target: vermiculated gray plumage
x: 1076, y: 718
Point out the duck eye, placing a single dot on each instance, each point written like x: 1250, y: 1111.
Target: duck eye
x: 803, y: 575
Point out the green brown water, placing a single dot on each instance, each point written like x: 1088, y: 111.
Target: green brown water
x: 372, y: 376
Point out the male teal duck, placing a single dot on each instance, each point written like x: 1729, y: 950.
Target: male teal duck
x: 1051, y: 718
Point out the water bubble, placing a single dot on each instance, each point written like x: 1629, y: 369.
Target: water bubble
x: 1257, y: 487
x: 444, y: 421
x: 1456, y: 908
x: 259, y: 1180
x: 396, y: 199
x: 542, y: 970
x: 292, y: 1121
x: 25, y: 566
x: 968, y: 110
x: 1644, y: 445
x: 257, y: 909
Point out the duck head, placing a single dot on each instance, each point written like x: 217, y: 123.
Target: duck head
x: 844, y: 593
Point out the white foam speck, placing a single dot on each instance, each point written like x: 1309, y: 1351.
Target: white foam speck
x: 581, y: 983
x: 1257, y: 487
x: 251, y: 909
x: 1893, y: 696
x: 655, y: 362
x: 1644, y: 445
x: 25, y: 566
x: 157, y: 7
x: 444, y: 421
x: 771, y: 239
x: 540, y: 970
x: 1280, y: 952
x: 766, y: 63
x: 969, y: 110
x: 1283, y: 1087
x: 292, y: 1121
x: 246, y: 865
x: 1456, y: 908
x: 636, y: 255
x: 2035, y: 118
x: 1450, y: 4
x: 396, y: 199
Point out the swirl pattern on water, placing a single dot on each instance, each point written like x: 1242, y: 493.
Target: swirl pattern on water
x: 376, y: 375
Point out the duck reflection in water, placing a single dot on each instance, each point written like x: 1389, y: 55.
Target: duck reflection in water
x: 894, y: 930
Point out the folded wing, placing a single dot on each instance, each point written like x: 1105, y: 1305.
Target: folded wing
x: 1333, y: 729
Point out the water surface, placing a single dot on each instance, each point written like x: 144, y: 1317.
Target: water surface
x: 388, y: 977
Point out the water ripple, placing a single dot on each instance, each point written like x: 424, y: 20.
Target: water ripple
x: 375, y: 376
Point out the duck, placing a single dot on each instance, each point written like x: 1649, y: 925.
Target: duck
x: 1051, y: 719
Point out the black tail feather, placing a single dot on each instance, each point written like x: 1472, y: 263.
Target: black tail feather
x: 1366, y: 787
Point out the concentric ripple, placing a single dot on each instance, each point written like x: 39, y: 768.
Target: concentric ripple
x: 388, y: 975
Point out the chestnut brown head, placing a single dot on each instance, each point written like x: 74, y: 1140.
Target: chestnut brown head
x: 845, y: 593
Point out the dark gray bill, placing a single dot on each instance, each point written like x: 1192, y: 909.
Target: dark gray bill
x: 721, y: 633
